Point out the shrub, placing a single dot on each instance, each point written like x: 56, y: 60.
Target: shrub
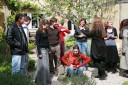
x: 70, y: 42
x: 4, y: 47
x: 31, y: 65
x: 31, y: 46
x: 5, y: 64
x: 16, y: 79
x: 11, y: 20
x: 79, y: 80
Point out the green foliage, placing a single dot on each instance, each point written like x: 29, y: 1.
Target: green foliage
x: 20, y: 6
x: 5, y: 59
x: 13, y: 5
x: 78, y: 80
x: 5, y: 63
x: 125, y: 83
x: 31, y: 65
x: 10, y: 20
x: 76, y: 9
x: 31, y: 46
x: 4, y: 48
x: 16, y: 79
x: 30, y: 6
x: 70, y: 42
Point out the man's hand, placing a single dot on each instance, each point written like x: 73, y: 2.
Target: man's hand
x: 40, y: 56
x: 63, y: 29
x: 77, y: 66
x: 81, y: 35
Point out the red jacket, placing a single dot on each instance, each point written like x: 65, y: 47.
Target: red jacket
x: 62, y: 32
x: 69, y: 59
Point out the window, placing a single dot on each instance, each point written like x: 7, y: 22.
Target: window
x: 36, y: 19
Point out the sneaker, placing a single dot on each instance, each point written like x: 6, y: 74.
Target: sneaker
x: 103, y: 77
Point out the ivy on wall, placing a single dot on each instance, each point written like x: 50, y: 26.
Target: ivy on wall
x: 13, y: 5
x: 30, y: 6
x: 20, y: 6
x: 17, y: 6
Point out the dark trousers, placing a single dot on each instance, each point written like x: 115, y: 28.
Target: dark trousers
x: 111, y: 66
x: 97, y: 63
x: 51, y: 64
x: 62, y: 49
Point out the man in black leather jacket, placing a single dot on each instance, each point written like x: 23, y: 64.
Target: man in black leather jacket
x: 17, y: 40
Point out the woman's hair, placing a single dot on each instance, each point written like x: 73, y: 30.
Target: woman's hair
x: 123, y: 24
x: 76, y: 47
x: 106, y: 25
x: 82, y: 19
x: 98, y: 27
x: 43, y: 22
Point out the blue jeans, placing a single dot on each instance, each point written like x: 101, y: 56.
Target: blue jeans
x: 83, y: 46
x: 71, y: 71
x: 18, y: 64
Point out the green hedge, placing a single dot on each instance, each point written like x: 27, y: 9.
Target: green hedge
x: 16, y: 79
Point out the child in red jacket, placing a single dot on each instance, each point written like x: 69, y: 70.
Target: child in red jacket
x: 73, y: 61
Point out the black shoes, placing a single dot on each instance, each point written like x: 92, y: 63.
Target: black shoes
x: 113, y: 71
x: 123, y: 74
x: 101, y: 77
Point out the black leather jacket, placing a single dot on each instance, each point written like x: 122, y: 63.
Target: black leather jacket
x: 15, y: 40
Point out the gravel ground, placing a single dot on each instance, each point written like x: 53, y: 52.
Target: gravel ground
x: 112, y: 79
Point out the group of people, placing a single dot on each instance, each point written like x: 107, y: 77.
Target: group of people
x: 51, y: 48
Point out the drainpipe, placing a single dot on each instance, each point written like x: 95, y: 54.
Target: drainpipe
x: 120, y: 9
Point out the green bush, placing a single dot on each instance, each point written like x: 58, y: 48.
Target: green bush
x: 79, y: 80
x: 70, y: 42
x: 31, y: 65
x: 5, y: 63
x: 4, y: 47
x: 11, y: 20
x: 5, y: 57
x: 16, y: 79
x: 125, y: 83
x: 31, y: 46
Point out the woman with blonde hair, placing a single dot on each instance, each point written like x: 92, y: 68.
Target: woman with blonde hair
x: 42, y: 73
x: 112, y: 57
x: 98, y: 47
